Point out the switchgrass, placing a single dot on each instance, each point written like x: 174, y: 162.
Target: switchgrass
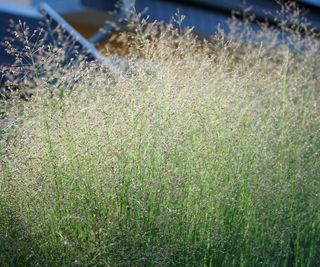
x: 201, y: 154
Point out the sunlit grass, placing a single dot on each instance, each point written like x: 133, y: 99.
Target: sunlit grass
x: 200, y: 155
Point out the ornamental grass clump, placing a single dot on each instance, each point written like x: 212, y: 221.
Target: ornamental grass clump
x: 203, y: 153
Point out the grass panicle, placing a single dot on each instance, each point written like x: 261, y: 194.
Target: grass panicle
x: 204, y: 153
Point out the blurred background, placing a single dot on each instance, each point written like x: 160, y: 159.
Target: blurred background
x: 88, y: 16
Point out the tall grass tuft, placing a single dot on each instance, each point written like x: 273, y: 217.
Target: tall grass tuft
x: 204, y: 153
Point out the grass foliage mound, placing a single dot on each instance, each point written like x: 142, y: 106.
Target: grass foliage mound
x: 199, y: 154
